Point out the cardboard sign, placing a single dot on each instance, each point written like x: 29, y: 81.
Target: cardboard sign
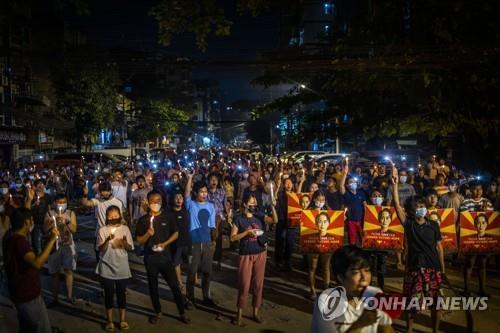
x: 321, y: 231
x: 295, y: 208
x: 446, y: 219
x: 382, y: 229
x: 479, y: 232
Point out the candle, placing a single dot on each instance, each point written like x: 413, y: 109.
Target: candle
x: 113, y: 231
x: 151, y: 222
x: 272, y: 191
x: 57, y: 237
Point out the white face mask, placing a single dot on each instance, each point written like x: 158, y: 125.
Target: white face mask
x: 378, y: 201
x: 4, y: 190
x: 155, y: 208
x: 403, y: 179
x: 421, y: 212
x: 452, y: 188
x: 319, y: 204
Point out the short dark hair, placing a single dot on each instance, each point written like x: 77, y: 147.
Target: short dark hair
x: 198, y: 186
x: 60, y: 196
x: 154, y: 192
x: 349, y: 257
x: 247, y: 197
x: 104, y: 186
x: 140, y: 177
x: 19, y: 216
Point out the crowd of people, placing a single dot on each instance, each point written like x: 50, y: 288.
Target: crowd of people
x: 181, y: 215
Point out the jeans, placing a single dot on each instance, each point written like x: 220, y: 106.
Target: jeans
x: 155, y: 266
x: 201, y: 256
x: 109, y: 291
x: 33, y: 317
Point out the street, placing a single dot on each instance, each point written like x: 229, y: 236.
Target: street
x: 286, y: 305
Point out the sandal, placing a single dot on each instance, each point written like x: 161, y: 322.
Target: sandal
x: 124, y: 325
x: 238, y: 322
x: 154, y: 319
x: 110, y: 327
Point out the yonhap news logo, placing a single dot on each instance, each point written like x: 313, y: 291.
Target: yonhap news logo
x: 332, y: 303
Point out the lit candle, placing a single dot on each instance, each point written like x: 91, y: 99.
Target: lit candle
x: 57, y: 237
x: 271, y: 188
x: 113, y: 231
x: 151, y: 222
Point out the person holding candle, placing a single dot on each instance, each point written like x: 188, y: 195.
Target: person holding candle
x: 157, y: 233
x: 248, y: 229
x: 114, y: 240
x: 64, y: 254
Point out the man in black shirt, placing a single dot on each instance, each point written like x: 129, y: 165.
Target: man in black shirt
x: 182, y: 246
x: 425, y: 263
x: 39, y: 202
x: 157, y: 233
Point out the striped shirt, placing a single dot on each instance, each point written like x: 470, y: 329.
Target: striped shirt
x: 476, y: 205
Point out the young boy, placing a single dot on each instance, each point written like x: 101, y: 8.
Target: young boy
x: 352, y: 272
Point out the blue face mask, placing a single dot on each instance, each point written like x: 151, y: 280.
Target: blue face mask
x: 353, y: 186
x: 421, y: 212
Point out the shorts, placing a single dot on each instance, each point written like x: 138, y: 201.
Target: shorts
x: 425, y: 282
x: 64, y: 258
x: 181, y: 255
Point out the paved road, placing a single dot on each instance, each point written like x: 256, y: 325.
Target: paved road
x: 286, y: 307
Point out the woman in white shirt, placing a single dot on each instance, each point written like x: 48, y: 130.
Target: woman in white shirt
x: 114, y: 240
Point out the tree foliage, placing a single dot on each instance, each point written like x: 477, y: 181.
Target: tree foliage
x: 87, y: 95
x: 155, y: 119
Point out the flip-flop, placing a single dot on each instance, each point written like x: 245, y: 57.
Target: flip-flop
x: 238, y: 323
x: 124, y: 326
x: 110, y: 327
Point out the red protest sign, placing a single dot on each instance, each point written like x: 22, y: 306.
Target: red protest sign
x: 479, y: 232
x: 446, y: 219
x: 321, y: 231
x: 382, y: 229
x: 296, y: 203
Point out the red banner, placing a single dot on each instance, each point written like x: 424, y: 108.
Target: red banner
x: 479, y: 232
x: 295, y: 208
x: 321, y: 231
x: 382, y: 229
x: 446, y: 219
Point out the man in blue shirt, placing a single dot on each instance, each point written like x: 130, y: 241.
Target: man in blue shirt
x: 202, y: 231
x: 355, y: 203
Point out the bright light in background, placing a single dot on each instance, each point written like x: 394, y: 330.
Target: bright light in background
x: 206, y: 141
x: 303, y: 86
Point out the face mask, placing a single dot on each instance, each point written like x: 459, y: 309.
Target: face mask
x: 421, y: 212
x: 155, y: 208
x: 245, y: 175
x: 353, y: 186
x: 403, y: 179
x: 378, y: 201
x: 114, y: 221
x: 2, y: 209
x: 31, y: 177
x: 319, y: 204
x: 266, y: 177
x: 452, y: 188
x: 47, y: 191
x: 21, y: 173
x: 252, y: 209
x: 62, y: 207
x: 44, y: 177
x: 4, y: 190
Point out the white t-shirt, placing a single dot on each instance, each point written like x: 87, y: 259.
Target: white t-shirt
x: 100, y: 211
x: 342, y: 323
x: 119, y: 191
x: 113, y: 262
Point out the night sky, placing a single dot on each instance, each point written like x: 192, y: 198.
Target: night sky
x: 114, y: 23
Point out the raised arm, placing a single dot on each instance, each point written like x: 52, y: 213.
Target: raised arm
x: 85, y: 201
x: 395, y: 196
x: 345, y: 172
x: 189, y: 184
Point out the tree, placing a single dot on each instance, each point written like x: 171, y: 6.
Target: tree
x: 156, y: 119
x: 87, y: 94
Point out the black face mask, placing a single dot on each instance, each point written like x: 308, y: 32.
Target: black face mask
x: 252, y: 209
x: 113, y: 221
